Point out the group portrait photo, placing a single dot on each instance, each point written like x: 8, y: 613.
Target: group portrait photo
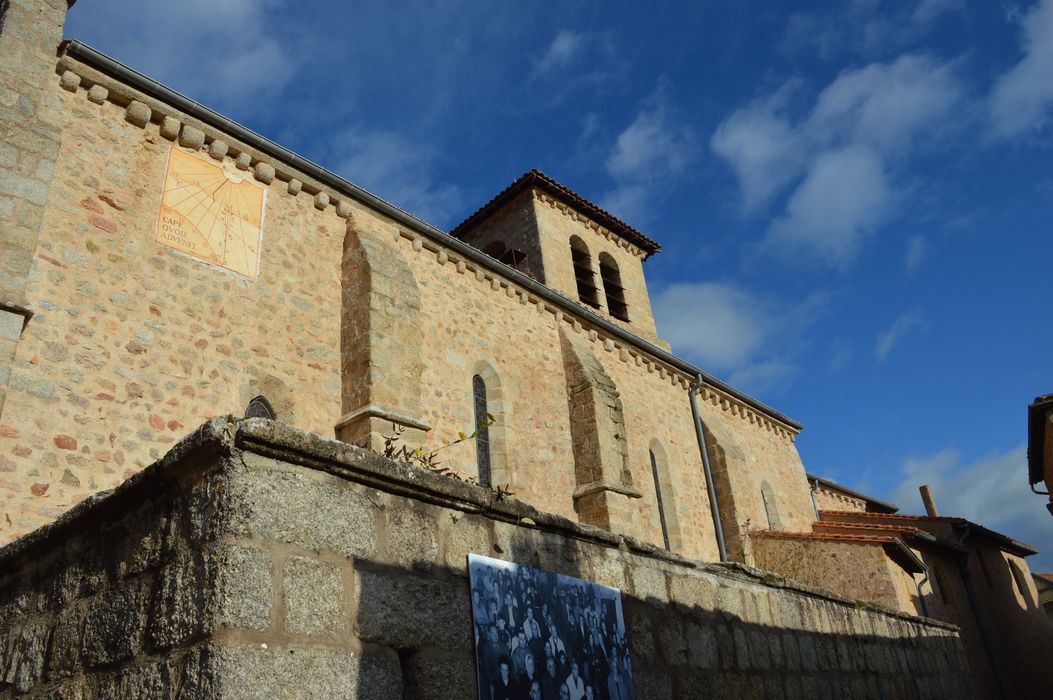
x: 545, y: 636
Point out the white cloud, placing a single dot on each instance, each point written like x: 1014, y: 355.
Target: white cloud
x: 840, y: 354
x: 762, y: 149
x: 716, y: 323
x: 223, y: 53
x: 732, y: 332
x: 764, y: 375
x: 571, y: 64
x: 652, y: 152
x: 864, y: 27
x: 1023, y: 97
x: 885, y: 105
x: 655, y: 145
x: 929, y: 10
x: 907, y: 322
x: 844, y: 196
x: 564, y: 48
x: 398, y: 170
x: 840, y: 158
x: 917, y: 249
x: 991, y: 491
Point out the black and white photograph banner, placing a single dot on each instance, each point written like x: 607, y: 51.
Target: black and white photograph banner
x: 545, y: 636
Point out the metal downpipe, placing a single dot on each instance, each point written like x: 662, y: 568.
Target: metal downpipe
x: 710, y: 487
x: 921, y: 596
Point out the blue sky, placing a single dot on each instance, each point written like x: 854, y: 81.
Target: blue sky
x: 854, y: 204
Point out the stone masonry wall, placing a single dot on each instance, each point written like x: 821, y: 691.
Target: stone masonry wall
x: 132, y: 342
x: 556, y: 224
x: 258, y: 561
x: 515, y: 228
x: 480, y: 320
x: 831, y: 499
x: 30, y: 115
x: 852, y: 569
x: 112, y: 601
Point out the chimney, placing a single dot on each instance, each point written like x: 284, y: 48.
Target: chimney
x: 929, y: 501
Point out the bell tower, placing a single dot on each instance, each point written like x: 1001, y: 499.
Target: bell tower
x: 564, y: 241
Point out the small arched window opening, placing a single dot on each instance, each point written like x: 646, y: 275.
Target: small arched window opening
x: 482, y: 431
x: 495, y: 249
x: 771, y: 510
x: 260, y: 407
x: 612, y: 287
x: 513, y: 258
x: 583, y: 275
x: 658, y: 496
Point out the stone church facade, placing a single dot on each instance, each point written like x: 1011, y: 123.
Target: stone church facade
x: 359, y: 316
x: 135, y: 305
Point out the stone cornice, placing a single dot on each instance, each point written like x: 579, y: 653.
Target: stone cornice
x: 572, y: 213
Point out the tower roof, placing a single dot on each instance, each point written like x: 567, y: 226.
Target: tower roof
x: 538, y: 179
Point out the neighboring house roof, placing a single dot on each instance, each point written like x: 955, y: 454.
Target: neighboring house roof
x: 538, y: 179
x: 1036, y: 436
x: 1044, y: 584
x: 1004, y: 541
x: 878, y: 506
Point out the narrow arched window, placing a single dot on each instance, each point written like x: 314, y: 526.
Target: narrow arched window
x: 482, y: 431
x: 583, y: 275
x: 771, y: 511
x: 612, y: 287
x: 658, y: 495
x: 260, y: 407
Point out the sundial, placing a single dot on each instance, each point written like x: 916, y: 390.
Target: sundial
x: 211, y: 213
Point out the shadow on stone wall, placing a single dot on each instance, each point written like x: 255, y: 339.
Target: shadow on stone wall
x: 418, y: 629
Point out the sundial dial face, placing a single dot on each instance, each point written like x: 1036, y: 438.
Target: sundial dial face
x: 212, y: 213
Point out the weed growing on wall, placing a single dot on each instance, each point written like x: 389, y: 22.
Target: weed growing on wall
x: 395, y: 450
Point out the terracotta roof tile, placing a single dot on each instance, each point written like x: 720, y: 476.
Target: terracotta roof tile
x: 826, y: 536
x: 867, y: 527
x: 1005, y: 540
x: 536, y: 178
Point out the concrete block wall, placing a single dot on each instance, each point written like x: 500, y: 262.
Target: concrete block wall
x: 257, y: 560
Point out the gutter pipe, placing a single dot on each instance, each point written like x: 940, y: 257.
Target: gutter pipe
x: 700, y: 433
x: 118, y: 70
x: 963, y: 565
x: 924, y: 579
